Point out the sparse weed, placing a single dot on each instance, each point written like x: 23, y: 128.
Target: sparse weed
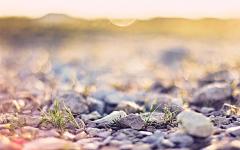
x: 57, y: 118
x: 114, y: 121
x: 24, y: 123
x: 11, y: 126
x: 169, y: 116
x: 71, y: 116
x: 115, y: 124
x: 4, y: 120
x: 144, y: 109
x: 232, y: 109
x: 149, y: 116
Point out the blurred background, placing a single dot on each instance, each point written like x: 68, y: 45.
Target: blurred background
x: 122, y: 45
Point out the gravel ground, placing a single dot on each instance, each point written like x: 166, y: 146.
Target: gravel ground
x: 125, y: 92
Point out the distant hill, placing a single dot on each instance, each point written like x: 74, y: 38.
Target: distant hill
x: 55, y: 28
x: 56, y: 19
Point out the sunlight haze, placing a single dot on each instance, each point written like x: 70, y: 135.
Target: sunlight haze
x: 140, y: 9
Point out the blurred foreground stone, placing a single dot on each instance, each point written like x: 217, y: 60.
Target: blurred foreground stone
x: 51, y: 143
x: 109, y: 118
x: 212, y: 92
x: 128, y: 107
x: 195, y: 124
x: 9, y: 106
x: 134, y: 121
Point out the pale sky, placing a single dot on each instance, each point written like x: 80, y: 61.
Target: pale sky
x: 139, y: 9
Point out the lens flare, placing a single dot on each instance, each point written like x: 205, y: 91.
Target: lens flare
x: 122, y: 22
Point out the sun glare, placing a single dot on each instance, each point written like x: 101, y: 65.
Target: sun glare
x: 122, y: 22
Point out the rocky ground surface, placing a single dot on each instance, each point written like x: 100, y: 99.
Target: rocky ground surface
x: 152, y: 105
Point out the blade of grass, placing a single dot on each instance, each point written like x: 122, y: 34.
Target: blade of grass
x: 44, y: 113
x: 71, y: 116
x: 152, y: 113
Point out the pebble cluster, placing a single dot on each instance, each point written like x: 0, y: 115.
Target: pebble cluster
x: 194, y: 128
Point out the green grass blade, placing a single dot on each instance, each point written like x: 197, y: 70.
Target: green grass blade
x: 71, y: 116
x: 44, y: 113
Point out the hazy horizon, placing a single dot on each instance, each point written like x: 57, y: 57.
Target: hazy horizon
x: 102, y: 18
